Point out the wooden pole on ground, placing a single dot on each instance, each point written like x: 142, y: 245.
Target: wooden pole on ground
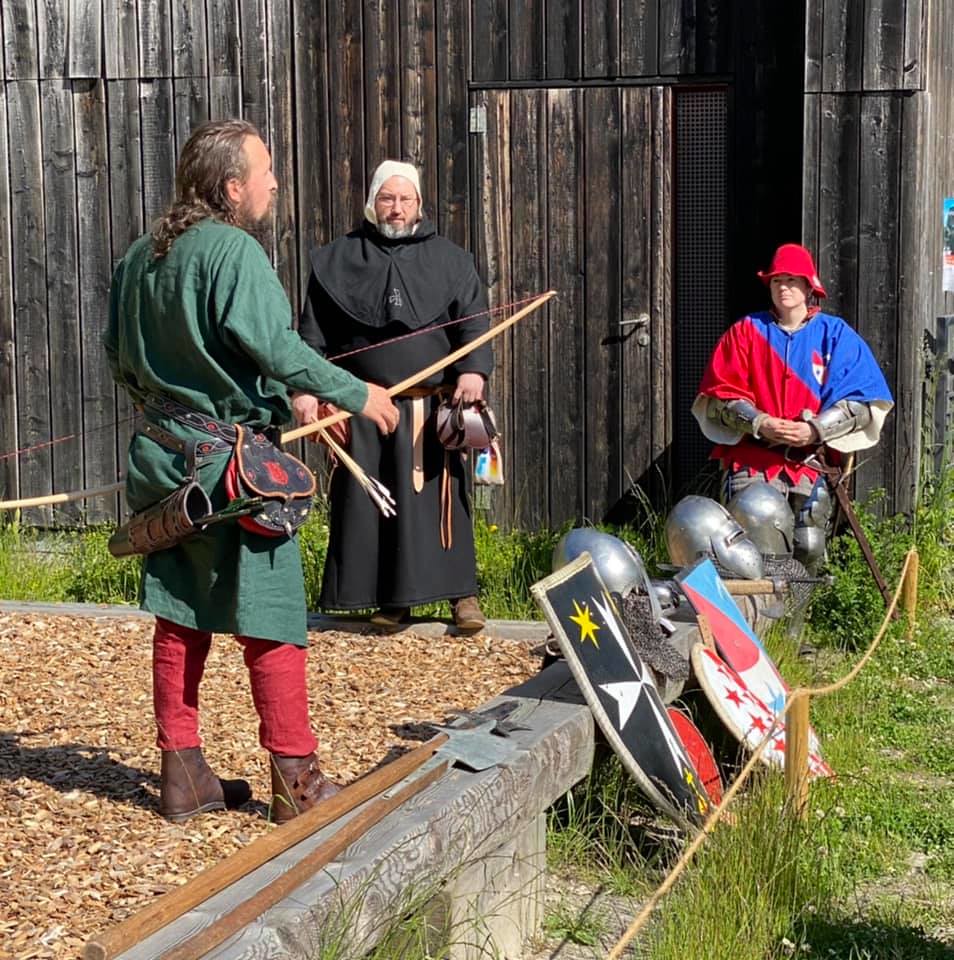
x: 796, y: 753
x: 247, y: 911
x: 179, y: 901
x: 909, y: 597
x: 416, y: 378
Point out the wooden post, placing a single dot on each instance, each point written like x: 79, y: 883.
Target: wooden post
x: 796, y: 753
x: 909, y: 596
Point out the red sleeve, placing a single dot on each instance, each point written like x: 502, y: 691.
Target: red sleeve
x: 727, y: 375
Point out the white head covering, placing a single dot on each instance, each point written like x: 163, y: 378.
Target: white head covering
x: 386, y: 170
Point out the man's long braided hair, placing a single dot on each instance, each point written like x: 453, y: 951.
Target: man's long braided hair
x: 212, y: 156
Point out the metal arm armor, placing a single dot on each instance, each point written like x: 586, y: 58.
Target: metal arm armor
x: 844, y: 417
x: 738, y: 415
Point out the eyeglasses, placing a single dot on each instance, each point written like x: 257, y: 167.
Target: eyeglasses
x: 386, y: 200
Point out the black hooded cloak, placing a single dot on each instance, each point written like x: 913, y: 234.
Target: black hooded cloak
x: 366, y: 289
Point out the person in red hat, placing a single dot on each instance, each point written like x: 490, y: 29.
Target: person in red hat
x: 781, y: 382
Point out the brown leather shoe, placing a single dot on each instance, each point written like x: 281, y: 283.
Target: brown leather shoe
x: 391, y: 618
x: 297, y: 785
x: 467, y: 615
x: 187, y: 786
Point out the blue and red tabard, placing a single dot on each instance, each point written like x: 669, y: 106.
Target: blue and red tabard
x: 784, y: 373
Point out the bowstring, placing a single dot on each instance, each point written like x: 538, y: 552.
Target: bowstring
x: 490, y: 311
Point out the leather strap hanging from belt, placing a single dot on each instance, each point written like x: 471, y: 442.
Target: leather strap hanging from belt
x: 417, y: 444
x: 447, y: 501
x: 417, y: 396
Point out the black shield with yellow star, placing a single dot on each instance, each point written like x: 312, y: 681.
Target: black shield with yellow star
x: 619, y: 688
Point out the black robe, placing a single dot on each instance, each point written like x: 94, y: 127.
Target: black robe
x: 365, y: 289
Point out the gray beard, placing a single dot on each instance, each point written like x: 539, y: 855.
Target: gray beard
x: 395, y: 233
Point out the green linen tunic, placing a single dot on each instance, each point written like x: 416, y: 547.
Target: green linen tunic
x: 209, y: 325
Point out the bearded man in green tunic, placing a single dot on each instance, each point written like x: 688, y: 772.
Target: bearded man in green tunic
x: 199, y: 319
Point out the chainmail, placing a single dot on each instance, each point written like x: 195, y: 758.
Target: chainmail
x: 650, y: 641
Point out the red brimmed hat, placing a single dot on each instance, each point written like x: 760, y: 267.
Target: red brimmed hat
x: 795, y: 260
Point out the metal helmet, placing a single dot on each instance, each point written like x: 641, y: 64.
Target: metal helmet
x: 766, y: 517
x: 620, y: 567
x: 700, y: 527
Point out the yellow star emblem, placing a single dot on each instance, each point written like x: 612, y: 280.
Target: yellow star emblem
x: 587, y: 627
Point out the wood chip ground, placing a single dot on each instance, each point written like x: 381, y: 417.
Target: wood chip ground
x: 81, y: 843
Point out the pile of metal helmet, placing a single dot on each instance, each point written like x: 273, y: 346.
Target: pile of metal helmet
x: 701, y: 527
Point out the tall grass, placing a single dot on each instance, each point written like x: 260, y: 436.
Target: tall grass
x: 747, y: 888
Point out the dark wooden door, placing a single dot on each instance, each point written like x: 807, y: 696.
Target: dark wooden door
x: 573, y: 192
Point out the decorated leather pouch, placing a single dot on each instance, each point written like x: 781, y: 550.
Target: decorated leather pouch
x: 286, y: 486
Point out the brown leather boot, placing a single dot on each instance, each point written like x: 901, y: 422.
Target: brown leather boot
x: 297, y: 785
x: 188, y: 786
x: 468, y: 617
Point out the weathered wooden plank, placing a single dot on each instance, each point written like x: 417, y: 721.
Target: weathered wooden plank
x: 564, y: 47
x: 490, y: 30
x: 158, y: 146
x: 452, y: 28
x: 155, y: 38
x: 527, y: 40
x: 29, y: 292
x: 121, y: 42
x: 837, y: 251
x: 639, y: 38
x: 877, y: 318
x: 601, y: 311
x: 527, y: 441
x: 253, y: 17
x: 713, y: 35
x: 419, y: 95
x: 190, y: 108
x: 814, y: 44
x: 677, y: 54
x: 125, y: 203
x: 92, y: 200
x: 21, y: 60
x: 636, y: 274
x: 661, y: 290
x: 843, y: 45
x: 8, y: 370
x: 224, y: 51
x: 882, y: 64
x: 59, y: 191
x: 600, y: 38
x: 225, y: 97
x: 347, y: 99
x: 85, y: 52
x: 492, y: 249
x: 311, y: 118
x: 52, y: 20
x: 382, y: 97
x: 568, y: 416
x: 189, y: 39
x: 914, y: 294
x: 913, y: 72
x: 281, y: 140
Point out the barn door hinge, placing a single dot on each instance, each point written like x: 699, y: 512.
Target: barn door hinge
x: 478, y: 119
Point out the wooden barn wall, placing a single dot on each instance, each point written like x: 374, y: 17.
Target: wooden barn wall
x: 96, y: 100
x: 879, y: 121
x: 560, y: 40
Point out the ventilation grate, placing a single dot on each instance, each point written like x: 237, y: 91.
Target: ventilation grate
x: 700, y: 260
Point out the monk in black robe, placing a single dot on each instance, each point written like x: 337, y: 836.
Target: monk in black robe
x: 390, y: 278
